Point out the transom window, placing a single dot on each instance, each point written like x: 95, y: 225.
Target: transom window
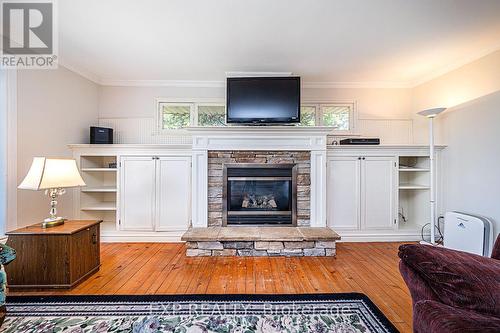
x: 337, y: 115
x: 178, y: 115
x: 174, y: 115
x: 211, y: 115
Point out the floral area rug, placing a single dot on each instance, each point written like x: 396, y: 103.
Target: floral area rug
x: 322, y: 313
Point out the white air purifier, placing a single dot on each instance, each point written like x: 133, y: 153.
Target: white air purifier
x: 468, y: 233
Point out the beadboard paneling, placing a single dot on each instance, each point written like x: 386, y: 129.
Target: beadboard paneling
x: 140, y: 131
x: 143, y: 131
x: 390, y: 131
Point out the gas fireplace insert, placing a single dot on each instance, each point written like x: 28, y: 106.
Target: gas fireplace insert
x: 259, y: 194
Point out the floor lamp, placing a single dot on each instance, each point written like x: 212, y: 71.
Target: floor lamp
x: 431, y: 114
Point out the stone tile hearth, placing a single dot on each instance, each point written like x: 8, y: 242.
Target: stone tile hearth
x: 260, y: 241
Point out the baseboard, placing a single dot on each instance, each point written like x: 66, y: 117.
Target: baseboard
x: 175, y: 237
x: 152, y: 237
x: 353, y: 237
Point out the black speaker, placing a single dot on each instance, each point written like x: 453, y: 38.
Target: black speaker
x: 101, y: 135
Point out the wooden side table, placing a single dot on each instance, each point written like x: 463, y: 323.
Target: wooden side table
x: 57, y: 257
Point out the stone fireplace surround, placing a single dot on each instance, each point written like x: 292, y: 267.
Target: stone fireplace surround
x: 305, y: 147
x: 258, y: 139
x: 216, y: 160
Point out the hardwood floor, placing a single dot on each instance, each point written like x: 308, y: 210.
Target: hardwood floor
x: 163, y: 268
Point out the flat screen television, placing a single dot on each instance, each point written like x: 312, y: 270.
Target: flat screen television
x: 263, y: 100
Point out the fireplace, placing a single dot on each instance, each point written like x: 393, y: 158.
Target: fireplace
x: 259, y: 194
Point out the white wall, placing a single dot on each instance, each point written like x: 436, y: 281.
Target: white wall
x: 131, y: 110
x: 68, y: 103
x: 471, y: 81
x: 470, y: 130
x: 54, y: 108
x: 472, y: 159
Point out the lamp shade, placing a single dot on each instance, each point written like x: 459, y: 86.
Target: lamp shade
x: 46, y: 173
x: 431, y: 112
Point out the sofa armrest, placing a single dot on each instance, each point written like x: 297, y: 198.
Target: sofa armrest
x: 458, y: 278
x: 418, y: 287
x: 434, y: 317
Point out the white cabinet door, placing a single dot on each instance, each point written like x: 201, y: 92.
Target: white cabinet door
x: 137, y: 193
x: 343, y: 186
x: 173, y: 176
x: 378, y: 192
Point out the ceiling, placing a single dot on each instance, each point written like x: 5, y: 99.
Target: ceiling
x: 384, y: 42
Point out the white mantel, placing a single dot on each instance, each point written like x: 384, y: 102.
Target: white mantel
x: 265, y: 138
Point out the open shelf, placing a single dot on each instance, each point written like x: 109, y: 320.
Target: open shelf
x: 98, y: 199
x: 101, y: 206
x: 413, y: 169
x: 97, y: 162
x: 99, y: 169
x: 97, y: 189
x: 414, y: 195
x: 413, y: 187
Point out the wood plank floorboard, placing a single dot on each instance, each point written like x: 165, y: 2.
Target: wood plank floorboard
x: 163, y: 268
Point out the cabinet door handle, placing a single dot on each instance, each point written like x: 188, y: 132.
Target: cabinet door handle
x: 94, y: 238
x: 359, y: 158
x: 363, y: 158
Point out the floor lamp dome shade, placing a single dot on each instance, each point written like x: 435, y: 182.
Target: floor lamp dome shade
x: 431, y: 112
x: 52, y: 175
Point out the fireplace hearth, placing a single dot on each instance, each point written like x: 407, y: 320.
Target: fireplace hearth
x: 259, y: 194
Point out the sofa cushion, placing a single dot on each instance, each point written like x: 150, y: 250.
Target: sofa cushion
x: 431, y: 316
x: 459, y: 279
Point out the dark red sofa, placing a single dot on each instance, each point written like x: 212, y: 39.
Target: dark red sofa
x: 452, y: 291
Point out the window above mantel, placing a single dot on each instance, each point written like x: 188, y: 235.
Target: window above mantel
x: 177, y: 116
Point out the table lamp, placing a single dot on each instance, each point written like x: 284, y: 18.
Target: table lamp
x: 52, y: 175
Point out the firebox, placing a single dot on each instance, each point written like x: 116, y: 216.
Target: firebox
x: 259, y: 194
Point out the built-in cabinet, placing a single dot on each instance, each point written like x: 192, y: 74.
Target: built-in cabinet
x: 379, y: 192
x: 138, y: 192
x: 173, y: 193
x: 361, y: 192
x: 141, y: 192
x: 145, y: 192
x: 155, y: 194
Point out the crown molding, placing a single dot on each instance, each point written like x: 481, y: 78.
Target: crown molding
x: 222, y: 84
x: 368, y: 84
x: 163, y: 83
x: 84, y: 73
x: 307, y: 85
